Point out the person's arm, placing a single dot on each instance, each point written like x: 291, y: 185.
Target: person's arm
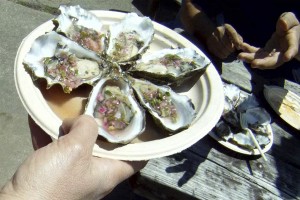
x: 65, y: 168
x: 221, y: 40
x: 195, y: 20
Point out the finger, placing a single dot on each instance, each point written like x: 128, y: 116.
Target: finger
x: 235, y: 38
x: 261, y: 59
x: 285, y: 22
x: 270, y: 61
x: 83, y: 130
x: 246, y: 57
x: 248, y: 48
x: 39, y: 137
x: 249, y: 57
x: 265, y: 63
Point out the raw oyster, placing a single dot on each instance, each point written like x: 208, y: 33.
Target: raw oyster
x: 129, y: 39
x: 169, y: 110
x: 81, y: 26
x: 60, y: 60
x: 115, y: 109
x: 170, y: 66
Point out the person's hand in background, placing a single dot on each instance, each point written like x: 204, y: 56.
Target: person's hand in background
x: 223, y: 41
x: 65, y: 168
x: 281, y: 47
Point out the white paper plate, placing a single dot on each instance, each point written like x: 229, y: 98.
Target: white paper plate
x: 206, y: 94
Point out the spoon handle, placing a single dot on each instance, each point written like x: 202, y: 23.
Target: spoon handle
x: 256, y: 144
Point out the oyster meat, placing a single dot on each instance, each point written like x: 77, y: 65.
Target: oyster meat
x: 170, y: 110
x: 170, y: 66
x: 119, y: 116
x: 81, y: 26
x: 129, y: 39
x: 62, y: 61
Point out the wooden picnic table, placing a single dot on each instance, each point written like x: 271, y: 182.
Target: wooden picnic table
x: 208, y: 170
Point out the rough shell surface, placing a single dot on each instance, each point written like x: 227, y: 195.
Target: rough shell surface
x: 171, y: 111
x: 81, y: 26
x: 170, y: 66
x: 47, y: 46
x: 129, y: 39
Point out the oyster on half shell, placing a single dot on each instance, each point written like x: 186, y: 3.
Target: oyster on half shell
x: 170, y: 66
x: 171, y: 111
x: 62, y: 61
x: 129, y: 39
x: 119, y: 116
x: 81, y: 26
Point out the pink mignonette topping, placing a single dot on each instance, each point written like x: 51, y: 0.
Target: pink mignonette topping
x: 102, y: 110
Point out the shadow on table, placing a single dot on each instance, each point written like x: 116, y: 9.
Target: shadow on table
x: 288, y: 167
x: 192, y: 158
x: 190, y: 163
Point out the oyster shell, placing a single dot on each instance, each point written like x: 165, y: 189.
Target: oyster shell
x: 119, y: 116
x: 170, y: 110
x: 81, y: 26
x: 257, y: 119
x: 170, y: 66
x: 232, y: 95
x: 129, y: 39
x: 238, y: 106
x: 244, y: 140
x: 62, y: 61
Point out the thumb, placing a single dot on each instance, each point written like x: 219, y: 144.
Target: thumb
x: 285, y: 22
x: 83, y: 130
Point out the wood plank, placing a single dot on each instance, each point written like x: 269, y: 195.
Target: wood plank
x: 204, y: 172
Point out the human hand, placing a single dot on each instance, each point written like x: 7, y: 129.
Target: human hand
x: 223, y: 41
x: 66, y: 169
x: 281, y: 47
